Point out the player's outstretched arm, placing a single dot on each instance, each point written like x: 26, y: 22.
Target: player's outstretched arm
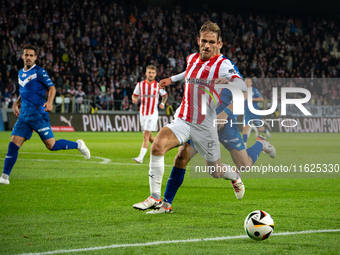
x: 16, y: 106
x: 49, y: 104
x: 165, y: 82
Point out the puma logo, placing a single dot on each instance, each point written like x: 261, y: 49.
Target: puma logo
x: 63, y: 119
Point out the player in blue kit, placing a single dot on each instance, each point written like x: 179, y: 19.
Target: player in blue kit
x: 251, y: 118
x: 33, y: 84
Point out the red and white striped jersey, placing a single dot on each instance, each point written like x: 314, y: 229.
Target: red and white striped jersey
x: 199, y: 79
x: 149, y: 94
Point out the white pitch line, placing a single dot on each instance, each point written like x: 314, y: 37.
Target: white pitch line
x: 105, y: 160
x: 113, y: 246
x: 88, y: 161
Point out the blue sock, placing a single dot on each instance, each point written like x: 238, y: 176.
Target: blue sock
x: 64, y: 145
x: 254, y: 151
x: 11, y: 158
x: 245, y: 138
x: 174, y: 182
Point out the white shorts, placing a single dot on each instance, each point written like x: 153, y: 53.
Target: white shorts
x: 204, y: 138
x: 149, y: 122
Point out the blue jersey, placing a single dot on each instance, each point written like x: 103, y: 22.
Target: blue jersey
x: 256, y: 94
x: 226, y: 96
x: 33, y: 85
x: 236, y: 71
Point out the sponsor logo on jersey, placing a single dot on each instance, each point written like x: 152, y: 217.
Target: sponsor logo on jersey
x: 206, y: 83
x: 43, y: 129
x: 150, y: 96
x: 231, y: 71
x: 198, y: 81
x: 24, y: 75
x: 234, y: 140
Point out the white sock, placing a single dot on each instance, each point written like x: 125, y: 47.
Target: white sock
x: 142, y: 153
x: 156, y: 175
x: 245, y: 145
x: 5, y: 176
x: 229, y: 174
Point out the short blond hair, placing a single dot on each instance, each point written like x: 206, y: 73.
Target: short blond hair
x: 209, y: 26
x: 152, y: 67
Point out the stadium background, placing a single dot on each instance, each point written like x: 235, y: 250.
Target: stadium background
x: 95, y: 52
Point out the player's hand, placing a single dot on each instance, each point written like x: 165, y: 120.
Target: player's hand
x: 165, y: 82
x: 221, y: 116
x: 48, y: 107
x: 161, y: 106
x: 16, y: 110
x: 221, y: 81
x: 134, y: 99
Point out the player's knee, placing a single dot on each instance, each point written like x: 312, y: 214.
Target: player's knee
x: 49, y: 146
x: 157, y: 149
x: 146, y: 134
x: 181, y: 161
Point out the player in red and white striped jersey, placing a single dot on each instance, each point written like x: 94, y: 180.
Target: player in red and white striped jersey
x: 200, y: 95
x: 148, y: 91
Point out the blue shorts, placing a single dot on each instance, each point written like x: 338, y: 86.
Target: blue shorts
x: 255, y: 120
x: 25, y: 125
x: 229, y: 137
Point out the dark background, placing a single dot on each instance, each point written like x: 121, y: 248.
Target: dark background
x: 294, y: 7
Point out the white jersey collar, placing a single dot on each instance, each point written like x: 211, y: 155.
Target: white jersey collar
x: 28, y: 69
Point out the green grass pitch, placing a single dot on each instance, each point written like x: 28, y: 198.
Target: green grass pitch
x: 60, y: 201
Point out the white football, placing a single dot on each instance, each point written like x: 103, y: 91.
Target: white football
x: 259, y: 225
